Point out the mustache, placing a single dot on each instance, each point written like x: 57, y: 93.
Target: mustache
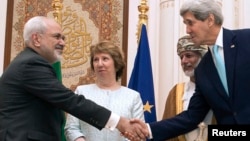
x: 190, y: 64
x: 187, y: 65
x: 59, y: 47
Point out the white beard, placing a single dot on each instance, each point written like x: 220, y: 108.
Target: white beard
x: 191, y: 73
x: 58, y: 56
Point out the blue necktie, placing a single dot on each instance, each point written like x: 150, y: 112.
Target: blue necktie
x: 220, y: 67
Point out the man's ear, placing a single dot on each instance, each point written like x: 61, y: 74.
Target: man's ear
x: 36, y: 39
x: 211, y: 20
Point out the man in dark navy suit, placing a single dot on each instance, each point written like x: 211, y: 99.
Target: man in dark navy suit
x: 229, y: 95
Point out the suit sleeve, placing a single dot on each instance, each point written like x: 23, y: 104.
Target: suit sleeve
x: 183, y: 122
x: 39, y: 79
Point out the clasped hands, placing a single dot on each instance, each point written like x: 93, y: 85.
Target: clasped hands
x: 134, y: 129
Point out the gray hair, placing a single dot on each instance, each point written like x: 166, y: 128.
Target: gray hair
x: 202, y: 8
x: 34, y: 25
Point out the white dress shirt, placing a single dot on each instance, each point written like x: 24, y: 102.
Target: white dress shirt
x: 219, y: 43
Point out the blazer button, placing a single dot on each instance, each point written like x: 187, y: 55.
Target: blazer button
x: 235, y: 113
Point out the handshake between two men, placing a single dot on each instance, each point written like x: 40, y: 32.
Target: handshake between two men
x: 134, y: 129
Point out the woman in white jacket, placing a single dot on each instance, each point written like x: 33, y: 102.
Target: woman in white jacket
x: 107, y: 62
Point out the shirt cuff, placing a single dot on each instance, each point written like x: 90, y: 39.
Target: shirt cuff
x: 150, y: 132
x: 113, y: 121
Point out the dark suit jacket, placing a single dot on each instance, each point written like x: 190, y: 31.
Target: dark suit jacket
x: 31, y: 99
x: 232, y: 109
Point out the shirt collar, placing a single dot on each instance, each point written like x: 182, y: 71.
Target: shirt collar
x: 219, y: 40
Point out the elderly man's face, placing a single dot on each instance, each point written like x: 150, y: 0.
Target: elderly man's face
x: 52, y: 42
x: 189, y: 61
x: 198, y: 30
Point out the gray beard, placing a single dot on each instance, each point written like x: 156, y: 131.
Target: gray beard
x: 189, y: 73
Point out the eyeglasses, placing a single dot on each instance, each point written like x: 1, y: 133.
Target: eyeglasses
x: 57, y: 36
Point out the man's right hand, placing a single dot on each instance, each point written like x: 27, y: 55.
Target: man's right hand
x: 134, y: 131
x: 80, y: 139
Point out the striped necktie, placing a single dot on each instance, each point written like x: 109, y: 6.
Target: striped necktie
x: 220, y: 67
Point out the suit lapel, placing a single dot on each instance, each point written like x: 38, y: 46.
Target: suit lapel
x: 230, y: 49
x: 213, y: 75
